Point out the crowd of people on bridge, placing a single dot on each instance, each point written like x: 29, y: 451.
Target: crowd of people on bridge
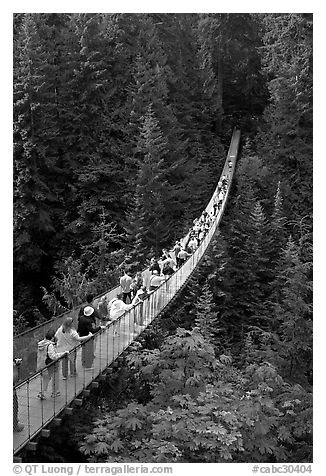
x: 93, y: 317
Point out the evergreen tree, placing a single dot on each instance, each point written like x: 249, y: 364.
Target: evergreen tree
x: 286, y: 137
x: 152, y: 189
x: 103, y: 255
x: 33, y: 195
x: 293, y: 312
x: 206, y: 317
x: 277, y: 227
x: 231, y: 64
x: 259, y: 245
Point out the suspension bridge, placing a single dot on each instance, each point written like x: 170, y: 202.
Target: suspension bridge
x: 36, y: 415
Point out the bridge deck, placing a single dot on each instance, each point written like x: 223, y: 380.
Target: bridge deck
x: 34, y: 413
x: 108, y: 345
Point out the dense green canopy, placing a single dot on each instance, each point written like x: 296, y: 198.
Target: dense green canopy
x: 121, y: 126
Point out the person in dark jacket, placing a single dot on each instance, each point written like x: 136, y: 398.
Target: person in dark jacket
x: 85, y: 326
x: 154, y: 265
x: 89, y: 302
x: 176, y: 249
x: 17, y: 425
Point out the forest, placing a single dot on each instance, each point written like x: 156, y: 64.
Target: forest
x: 121, y: 127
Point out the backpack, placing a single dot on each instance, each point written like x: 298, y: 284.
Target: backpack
x: 48, y: 360
x: 43, y: 358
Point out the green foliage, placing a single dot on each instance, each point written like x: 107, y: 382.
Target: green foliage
x: 152, y: 190
x: 101, y: 262
x: 206, y: 318
x: 119, y: 125
x: 286, y: 136
x: 183, y: 364
x: 32, y: 194
x: 71, y: 282
x: 229, y: 45
x: 244, y: 414
x: 52, y: 302
x: 83, y: 86
x: 293, y: 311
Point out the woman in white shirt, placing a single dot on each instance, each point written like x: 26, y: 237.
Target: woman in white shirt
x: 139, y: 298
x: 155, y: 281
x: 67, y: 339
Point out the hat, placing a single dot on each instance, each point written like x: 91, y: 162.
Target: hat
x: 88, y: 311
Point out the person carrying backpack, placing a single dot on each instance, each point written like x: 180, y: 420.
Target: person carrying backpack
x: 47, y: 354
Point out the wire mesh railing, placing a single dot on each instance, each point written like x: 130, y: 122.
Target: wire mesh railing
x: 42, y: 396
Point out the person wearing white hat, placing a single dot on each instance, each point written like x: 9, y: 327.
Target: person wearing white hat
x: 117, y: 307
x: 96, y: 316
x: 86, y: 326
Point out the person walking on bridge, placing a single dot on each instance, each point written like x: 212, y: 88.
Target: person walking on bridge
x: 67, y: 339
x: 154, y: 266
x: 125, y: 283
x: 192, y: 243
x: 85, y: 327
x: 136, y: 284
x: 17, y: 425
x: 47, y: 354
x: 183, y: 256
x: 117, y: 307
x: 155, y: 281
x: 224, y: 183
x: 89, y: 302
x: 139, y: 299
x: 176, y: 249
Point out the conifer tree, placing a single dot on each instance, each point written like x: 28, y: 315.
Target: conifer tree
x: 286, y: 137
x: 33, y: 194
x: 152, y: 189
x: 277, y: 226
x: 206, y: 316
x: 259, y: 244
x: 228, y: 48
x: 100, y: 177
x: 293, y: 312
